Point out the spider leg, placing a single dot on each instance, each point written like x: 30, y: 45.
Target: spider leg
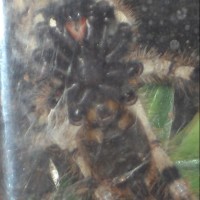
x: 81, y: 189
x: 119, y: 43
x: 56, y: 53
x: 160, y: 69
x: 54, y: 56
x: 98, y: 20
x: 61, y: 37
x: 74, y: 112
x: 181, y: 74
x: 164, y: 165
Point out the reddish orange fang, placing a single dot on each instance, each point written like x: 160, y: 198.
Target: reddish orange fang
x: 77, y: 29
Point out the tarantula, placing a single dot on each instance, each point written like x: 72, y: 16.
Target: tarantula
x: 86, y: 99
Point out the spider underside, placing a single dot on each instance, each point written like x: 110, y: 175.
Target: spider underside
x: 87, y: 95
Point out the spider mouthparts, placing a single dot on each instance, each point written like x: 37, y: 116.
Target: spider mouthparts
x: 77, y: 29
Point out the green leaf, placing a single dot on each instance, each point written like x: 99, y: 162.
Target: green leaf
x: 158, y: 102
x: 186, y: 144
x: 185, y: 151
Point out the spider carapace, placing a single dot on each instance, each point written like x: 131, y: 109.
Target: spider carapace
x: 95, y: 69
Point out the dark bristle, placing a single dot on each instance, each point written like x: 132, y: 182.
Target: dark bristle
x: 171, y: 174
